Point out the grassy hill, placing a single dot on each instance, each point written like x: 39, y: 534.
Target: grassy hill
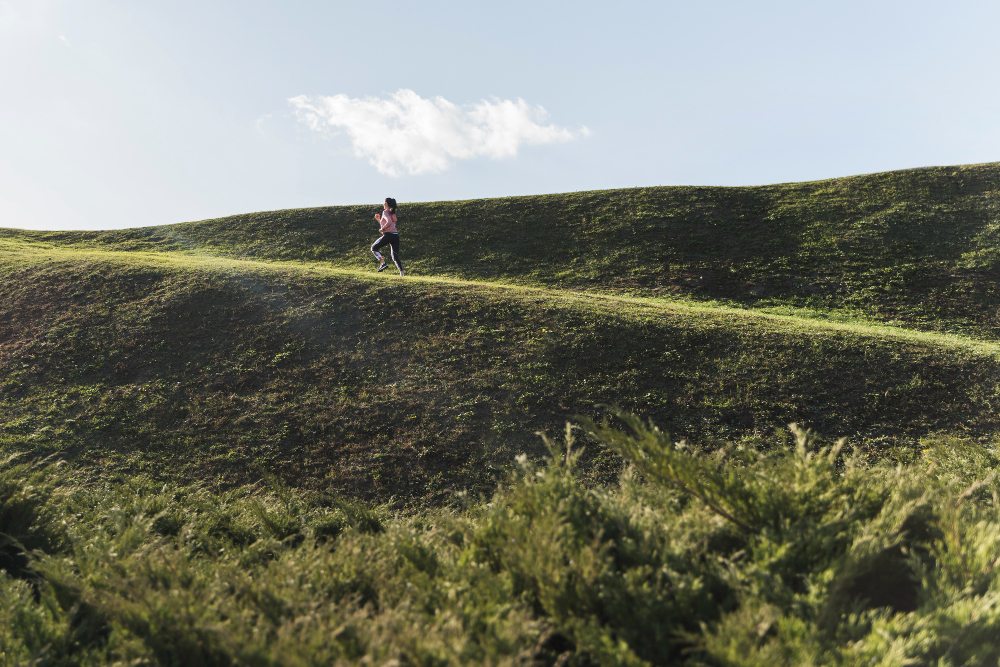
x: 224, y: 391
x: 380, y: 387
x: 261, y: 344
x: 916, y: 246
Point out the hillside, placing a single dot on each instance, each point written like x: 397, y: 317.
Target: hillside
x: 234, y: 349
x: 232, y: 442
x: 918, y: 247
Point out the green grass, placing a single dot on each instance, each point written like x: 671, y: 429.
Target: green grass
x: 918, y: 247
x: 207, y: 368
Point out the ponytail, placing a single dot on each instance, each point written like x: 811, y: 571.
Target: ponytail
x: 392, y: 204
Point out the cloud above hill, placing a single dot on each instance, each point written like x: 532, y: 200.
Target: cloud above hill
x: 407, y: 134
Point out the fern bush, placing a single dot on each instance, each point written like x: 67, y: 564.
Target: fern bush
x: 722, y: 556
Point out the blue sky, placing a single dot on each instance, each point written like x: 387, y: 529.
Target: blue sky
x: 121, y: 114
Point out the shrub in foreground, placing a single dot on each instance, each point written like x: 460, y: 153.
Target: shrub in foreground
x: 796, y: 555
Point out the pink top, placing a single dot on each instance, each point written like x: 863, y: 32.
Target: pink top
x: 388, y: 222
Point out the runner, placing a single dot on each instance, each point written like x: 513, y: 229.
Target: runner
x: 390, y: 237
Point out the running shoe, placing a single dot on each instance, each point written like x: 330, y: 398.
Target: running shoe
x: 383, y: 266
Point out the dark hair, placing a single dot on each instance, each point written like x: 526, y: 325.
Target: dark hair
x: 392, y: 204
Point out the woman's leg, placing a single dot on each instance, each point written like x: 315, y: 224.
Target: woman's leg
x: 378, y: 244
x: 394, y: 251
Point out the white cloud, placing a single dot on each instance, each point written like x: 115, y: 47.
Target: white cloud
x: 406, y: 134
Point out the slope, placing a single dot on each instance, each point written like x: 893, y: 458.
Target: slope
x: 227, y: 371
x: 916, y: 247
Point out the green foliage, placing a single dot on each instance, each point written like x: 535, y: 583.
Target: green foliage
x: 29, y: 517
x: 843, y: 564
x: 730, y: 557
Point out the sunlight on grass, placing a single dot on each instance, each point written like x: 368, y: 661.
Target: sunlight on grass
x: 807, y: 321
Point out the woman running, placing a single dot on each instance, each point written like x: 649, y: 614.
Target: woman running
x: 390, y: 237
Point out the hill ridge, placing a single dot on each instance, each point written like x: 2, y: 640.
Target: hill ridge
x: 919, y: 246
x: 819, y: 322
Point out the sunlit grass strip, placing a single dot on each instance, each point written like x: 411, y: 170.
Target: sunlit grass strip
x: 35, y: 252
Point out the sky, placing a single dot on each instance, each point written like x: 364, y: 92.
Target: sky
x: 124, y: 114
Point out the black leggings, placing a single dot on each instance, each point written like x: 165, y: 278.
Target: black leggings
x: 392, y: 240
